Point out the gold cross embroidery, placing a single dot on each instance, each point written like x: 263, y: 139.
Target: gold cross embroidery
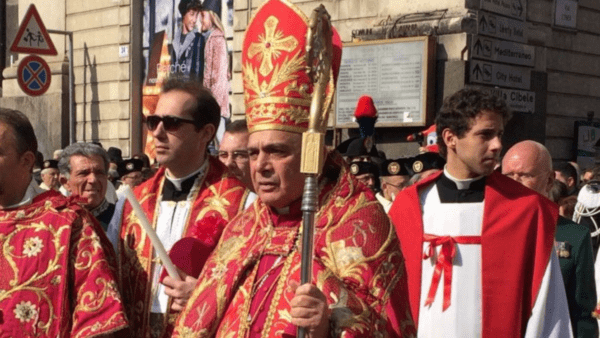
x: 270, y: 45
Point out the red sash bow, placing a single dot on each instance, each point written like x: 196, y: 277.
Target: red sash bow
x: 444, y: 262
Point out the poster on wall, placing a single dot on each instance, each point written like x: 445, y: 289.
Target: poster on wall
x: 395, y: 73
x: 186, y: 39
x: 588, y: 143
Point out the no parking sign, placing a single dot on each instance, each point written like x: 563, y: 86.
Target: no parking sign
x: 34, y: 75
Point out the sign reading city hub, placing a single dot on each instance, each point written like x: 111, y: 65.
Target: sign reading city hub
x: 501, y: 27
x: 495, y: 74
x: 502, y: 51
x: 512, y: 8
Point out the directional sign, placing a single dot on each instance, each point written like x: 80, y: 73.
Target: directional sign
x: 502, y: 51
x: 522, y: 101
x: 501, y: 27
x: 496, y: 74
x: 32, y: 36
x: 513, y: 8
x: 34, y: 75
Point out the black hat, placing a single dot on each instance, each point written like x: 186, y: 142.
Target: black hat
x: 115, y: 154
x: 50, y: 164
x: 397, y: 167
x: 186, y: 5
x: 358, y: 146
x: 359, y: 168
x: 213, y: 5
x: 426, y: 161
x: 128, y: 166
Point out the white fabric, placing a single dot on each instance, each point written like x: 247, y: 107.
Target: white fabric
x: 252, y: 196
x: 172, y: 217
x: 387, y: 204
x: 111, y: 193
x: 463, y: 317
x: 550, y: 317
x: 114, y: 226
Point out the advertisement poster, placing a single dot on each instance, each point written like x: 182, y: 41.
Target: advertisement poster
x: 186, y: 39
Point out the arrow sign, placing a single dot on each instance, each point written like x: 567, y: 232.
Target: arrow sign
x: 483, y: 23
x: 496, y: 74
x: 503, y: 51
x: 501, y: 27
x: 32, y: 36
x: 510, y: 8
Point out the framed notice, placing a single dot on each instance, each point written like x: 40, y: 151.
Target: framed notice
x: 588, y: 138
x: 396, y: 73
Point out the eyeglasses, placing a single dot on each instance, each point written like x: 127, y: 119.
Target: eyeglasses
x: 170, y: 123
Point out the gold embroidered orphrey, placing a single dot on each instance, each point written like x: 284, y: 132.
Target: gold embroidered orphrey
x: 270, y: 45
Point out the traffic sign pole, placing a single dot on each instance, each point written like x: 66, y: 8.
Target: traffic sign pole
x: 71, y: 84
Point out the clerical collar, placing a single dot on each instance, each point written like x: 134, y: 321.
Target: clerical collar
x: 453, y: 190
x: 97, y: 211
x: 177, y: 189
x: 178, y: 182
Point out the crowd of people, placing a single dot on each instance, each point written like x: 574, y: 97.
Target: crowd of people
x: 452, y: 242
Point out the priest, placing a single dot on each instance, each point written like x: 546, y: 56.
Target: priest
x: 249, y: 286
x: 58, y: 269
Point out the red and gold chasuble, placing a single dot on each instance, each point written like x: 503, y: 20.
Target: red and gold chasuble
x: 219, y: 198
x: 58, y: 272
x: 516, y: 241
x: 358, y: 266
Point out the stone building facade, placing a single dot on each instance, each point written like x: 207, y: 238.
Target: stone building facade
x: 564, y: 75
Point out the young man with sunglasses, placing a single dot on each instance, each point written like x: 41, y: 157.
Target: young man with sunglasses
x: 192, y: 195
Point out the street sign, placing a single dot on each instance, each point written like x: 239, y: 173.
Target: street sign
x: 512, y: 8
x: 502, y: 51
x: 32, y: 36
x: 501, y: 27
x: 33, y: 75
x: 565, y: 13
x: 495, y: 74
x: 522, y: 101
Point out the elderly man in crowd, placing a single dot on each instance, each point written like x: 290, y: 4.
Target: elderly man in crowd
x: 530, y: 164
x: 84, y: 173
x: 50, y: 175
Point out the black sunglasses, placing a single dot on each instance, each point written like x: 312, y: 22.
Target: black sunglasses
x: 170, y: 123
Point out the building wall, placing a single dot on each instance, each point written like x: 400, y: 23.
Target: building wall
x: 102, y: 76
x: 573, y: 66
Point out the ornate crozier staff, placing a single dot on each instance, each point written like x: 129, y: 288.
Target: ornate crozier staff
x: 318, y: 60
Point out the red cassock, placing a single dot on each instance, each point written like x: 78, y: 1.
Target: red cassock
x: 357, y: 265
x: 220, y: 197
x: 516, y: 242
x: 58, y: 276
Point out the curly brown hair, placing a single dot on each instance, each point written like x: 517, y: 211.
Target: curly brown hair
x: 460, y: 109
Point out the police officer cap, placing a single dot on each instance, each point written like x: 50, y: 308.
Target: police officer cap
x: 426, y: 161
x: 397, y: 167
x: 50, y: 164
x: 359, y: 168
x: 128, y: 166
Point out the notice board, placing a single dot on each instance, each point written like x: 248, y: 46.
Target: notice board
x: 397, y: 73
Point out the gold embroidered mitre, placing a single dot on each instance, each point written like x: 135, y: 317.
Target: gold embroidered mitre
x: 277, y: 89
